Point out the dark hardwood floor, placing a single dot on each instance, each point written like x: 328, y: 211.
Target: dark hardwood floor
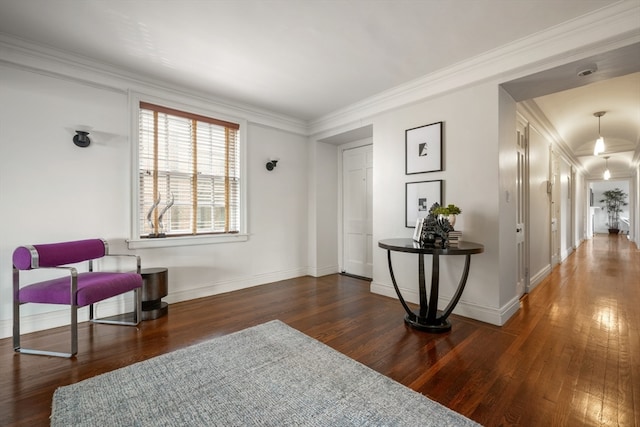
x: 569, y: 357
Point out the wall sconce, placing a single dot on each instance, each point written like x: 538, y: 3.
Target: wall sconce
x: 271, y: 164
x: 81, y: 139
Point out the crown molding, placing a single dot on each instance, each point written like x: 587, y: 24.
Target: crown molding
x: 54, y: 63
x: 530, y: 110
x: 602, y: 30
x: 635, y: 161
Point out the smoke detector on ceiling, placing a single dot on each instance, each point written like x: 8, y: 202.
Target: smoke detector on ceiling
x: 587, y: 70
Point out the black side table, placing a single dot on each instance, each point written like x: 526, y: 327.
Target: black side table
x: 429, y: 318
x: 155, y: 285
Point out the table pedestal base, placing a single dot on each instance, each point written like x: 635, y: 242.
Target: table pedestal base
x: 421, y: 325
x: 154, y: 309
x: 428, y: 318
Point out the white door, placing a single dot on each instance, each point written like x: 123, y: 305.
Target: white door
x: 522, y: 207
x: 357, y: 204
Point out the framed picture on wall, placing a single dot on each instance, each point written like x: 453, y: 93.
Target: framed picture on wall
x: 423, y: 149
x: 420, y: 196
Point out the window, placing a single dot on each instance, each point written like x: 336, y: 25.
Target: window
x: 188, y: 174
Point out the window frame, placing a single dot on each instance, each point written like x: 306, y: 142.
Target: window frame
x: 137, y: 242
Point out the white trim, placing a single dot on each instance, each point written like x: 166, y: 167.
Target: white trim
x: 537, y: 278
x: 508, y: 310
x: 120, y: 304
x: 216, y: 288
x: 322, y: 271
x: 62, y: 316
x: 39, y: 322
x: 186, y: 241
x: 532, y: 114
x: 565, y: 254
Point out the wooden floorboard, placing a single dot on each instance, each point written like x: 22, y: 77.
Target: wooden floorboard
x: 569, y: 357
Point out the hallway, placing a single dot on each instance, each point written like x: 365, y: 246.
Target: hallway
x: 582, y: 332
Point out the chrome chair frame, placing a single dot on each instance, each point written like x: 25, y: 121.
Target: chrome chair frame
x: 73, y: 283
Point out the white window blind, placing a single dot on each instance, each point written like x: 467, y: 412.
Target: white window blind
x: 191, y: 161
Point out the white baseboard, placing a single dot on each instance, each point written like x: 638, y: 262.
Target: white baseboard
x: 323, y: 271
x: 537, y: 278
x: 485, y: 314
x: 61, y: 317
x: 566, y: 254
x: 209, y: 289
x: 509, y: 309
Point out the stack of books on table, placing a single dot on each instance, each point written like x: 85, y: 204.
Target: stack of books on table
x: 455, y: 237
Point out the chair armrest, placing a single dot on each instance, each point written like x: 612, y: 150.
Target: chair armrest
x: 73, y: 272
x: 137, y: 257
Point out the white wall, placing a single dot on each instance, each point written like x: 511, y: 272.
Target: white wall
x: 581, y: 194
x: 471, y: 177
x: 635, y: 202
x: 540, y: 207
x: 509, y: 301
x: 51, y: 190
x: 323, y: 203
x: 566, y: 201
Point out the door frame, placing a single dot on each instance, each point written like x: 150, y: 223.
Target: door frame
x: 523, y: 125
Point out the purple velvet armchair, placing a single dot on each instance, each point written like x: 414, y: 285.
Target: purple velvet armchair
x: 74, y: 289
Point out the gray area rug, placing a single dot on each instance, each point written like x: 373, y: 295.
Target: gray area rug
x: 267, y: 375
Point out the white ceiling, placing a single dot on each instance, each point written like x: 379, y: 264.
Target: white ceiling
x: 306, y: 59
x: 571, y: 113
x: 568, y: 101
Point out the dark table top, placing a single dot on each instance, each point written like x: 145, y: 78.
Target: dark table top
x: 411, y: 246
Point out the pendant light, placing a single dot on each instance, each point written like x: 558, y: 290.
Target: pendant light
x: 607, y: 174
x: 599, y: 147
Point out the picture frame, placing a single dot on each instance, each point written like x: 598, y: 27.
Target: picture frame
x: 419, y: 197
x: 423, y: 149
x: 417, y: 232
